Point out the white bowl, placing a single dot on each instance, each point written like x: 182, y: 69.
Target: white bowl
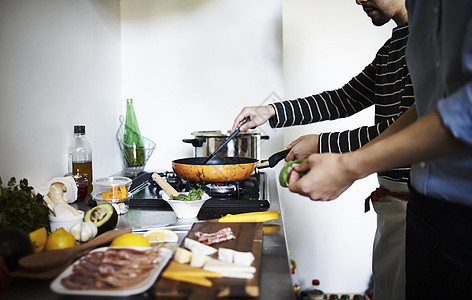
x: 186, y: 209
x: 65, y: 222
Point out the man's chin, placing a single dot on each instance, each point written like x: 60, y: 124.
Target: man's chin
x: 380, y: 21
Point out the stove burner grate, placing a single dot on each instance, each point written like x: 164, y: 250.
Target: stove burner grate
x: 230, y: 197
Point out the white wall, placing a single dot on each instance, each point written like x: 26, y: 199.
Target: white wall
x: 193, y: 65
x: 326, y: 43
x: 188, y: 65
x: 60, y: 66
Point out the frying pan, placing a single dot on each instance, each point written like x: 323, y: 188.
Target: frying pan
x: 222, y: 168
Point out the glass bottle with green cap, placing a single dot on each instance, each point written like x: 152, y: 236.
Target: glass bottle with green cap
x: 134, y: 146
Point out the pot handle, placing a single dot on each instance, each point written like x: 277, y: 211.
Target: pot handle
x: 273, y: 159
x: 194, y: 142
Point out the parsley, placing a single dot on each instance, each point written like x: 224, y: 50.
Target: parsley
x: 20, y: 207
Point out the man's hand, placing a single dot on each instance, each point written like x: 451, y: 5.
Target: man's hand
x: 328, y: 176
x: 258, y: 115
x: 303, y: 147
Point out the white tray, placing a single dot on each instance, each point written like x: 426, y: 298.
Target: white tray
x: 57, y: 287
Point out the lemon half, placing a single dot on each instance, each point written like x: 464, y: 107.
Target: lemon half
x: 38, y: 239
x: 130, y: 240
x: 161, y: 236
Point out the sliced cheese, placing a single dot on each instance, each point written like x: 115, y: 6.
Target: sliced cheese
x: 222, y: 267
x: 182, y: 256
x: 186, y: 270
x: 198, y: 248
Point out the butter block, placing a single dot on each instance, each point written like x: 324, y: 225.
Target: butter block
x: 243, y: 258
x: 182, y: 256
x: 198, y: 248
x: 198, y: 260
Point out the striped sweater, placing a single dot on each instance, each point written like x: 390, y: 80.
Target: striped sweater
x: 384, y: 83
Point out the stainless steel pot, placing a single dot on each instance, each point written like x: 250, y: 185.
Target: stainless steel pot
x: 245, y: 144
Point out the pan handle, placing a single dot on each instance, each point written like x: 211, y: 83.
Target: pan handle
x: 195, y: 142
x: 273, y: 159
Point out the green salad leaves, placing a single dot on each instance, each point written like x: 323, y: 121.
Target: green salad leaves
x: 193, y: 194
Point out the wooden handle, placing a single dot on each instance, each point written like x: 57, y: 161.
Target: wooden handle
x: 251, y: 217
x: 56, y: 258
x: 164, y: 185
x: 103, y: 238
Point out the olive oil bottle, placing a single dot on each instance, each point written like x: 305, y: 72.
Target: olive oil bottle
x: 80, y: 156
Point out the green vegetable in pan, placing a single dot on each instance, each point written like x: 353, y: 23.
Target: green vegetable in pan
x: 193, y: 194
x: 284, y: 172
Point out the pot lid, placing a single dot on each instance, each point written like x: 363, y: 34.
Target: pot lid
x: 221, y: 133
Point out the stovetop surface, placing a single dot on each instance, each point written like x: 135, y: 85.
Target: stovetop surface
x: 249, y: 195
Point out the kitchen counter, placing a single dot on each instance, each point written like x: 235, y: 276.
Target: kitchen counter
x: 275, y: 280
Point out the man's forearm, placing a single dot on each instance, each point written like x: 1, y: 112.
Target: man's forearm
x: 405, y: 144
x: 406, y: 119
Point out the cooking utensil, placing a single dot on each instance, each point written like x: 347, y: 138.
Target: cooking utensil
x: 223, y: 169
x: 251, y: 217
x: 42, y: 274
x: 224, y: 143
x: 237, y: 218
x: 54, y: 258
x: 164, y: 185
x: 244, y: 144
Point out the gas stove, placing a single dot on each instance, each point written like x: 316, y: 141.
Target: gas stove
x: 248, y: 195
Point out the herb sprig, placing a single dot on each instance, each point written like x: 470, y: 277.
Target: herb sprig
x: 20, y: 207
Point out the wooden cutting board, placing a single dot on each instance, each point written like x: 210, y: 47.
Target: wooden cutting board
x: 248, y: 239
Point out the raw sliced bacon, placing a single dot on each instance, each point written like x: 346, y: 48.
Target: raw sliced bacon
x: 115, y: 268
x: 122, y: 279
x: 221, y: 235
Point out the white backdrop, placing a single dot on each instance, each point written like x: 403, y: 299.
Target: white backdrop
x: 326, y: 43
x: 193, y: 65
x: 59, y: 66
x: 188, y: 65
